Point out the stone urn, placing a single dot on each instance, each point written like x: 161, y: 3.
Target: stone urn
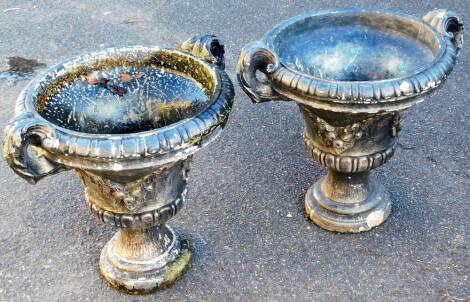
x: 128, y: 122
x: 353, y: 74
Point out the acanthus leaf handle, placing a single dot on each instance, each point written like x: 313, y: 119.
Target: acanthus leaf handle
x: 448, y: 23
x: 257, y: 57
x: 206, y: 47
x: 22, y: 147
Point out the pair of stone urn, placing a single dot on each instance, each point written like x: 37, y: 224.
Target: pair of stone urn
x: 129, y: 120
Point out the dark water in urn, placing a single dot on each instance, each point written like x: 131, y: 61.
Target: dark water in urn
x: 354, y: 53
x: 119, y: 101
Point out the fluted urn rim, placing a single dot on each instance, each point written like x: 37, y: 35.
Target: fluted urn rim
x: 130, y: 150
x: 388, y: 94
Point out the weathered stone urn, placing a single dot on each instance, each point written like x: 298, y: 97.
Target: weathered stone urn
x: 128, y: 122
x: 353, y: 74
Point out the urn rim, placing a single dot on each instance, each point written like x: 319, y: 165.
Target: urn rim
x: 136, y: 150
x: 390, y: 94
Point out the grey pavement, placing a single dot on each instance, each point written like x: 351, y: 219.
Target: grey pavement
x: 244, y: 215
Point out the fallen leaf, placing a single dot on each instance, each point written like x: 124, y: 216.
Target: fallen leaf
x: 139, y: 75
x: 125, y: 78
x: 103, y: 81
x: 121, y: 91
x: 114, y: 89
x: 92, y: 79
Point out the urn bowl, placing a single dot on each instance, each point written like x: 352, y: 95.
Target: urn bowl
x: 127, y: 121
x: 353, y: 73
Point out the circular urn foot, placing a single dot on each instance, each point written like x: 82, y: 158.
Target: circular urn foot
x: 347, y: 216
x: 142, y: 261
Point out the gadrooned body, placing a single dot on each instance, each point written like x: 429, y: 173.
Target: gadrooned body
x: 128, y: 122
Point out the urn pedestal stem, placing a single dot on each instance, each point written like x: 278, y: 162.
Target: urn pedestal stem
x: 349, y: 199
x: 145, y: 254
x: 347, y: 202
x: 142, y: 260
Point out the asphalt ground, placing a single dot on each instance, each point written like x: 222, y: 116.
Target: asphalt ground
x: 244, y: 216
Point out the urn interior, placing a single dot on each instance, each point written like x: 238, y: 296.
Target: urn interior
x: 361, y: 46
x: 126, y: 93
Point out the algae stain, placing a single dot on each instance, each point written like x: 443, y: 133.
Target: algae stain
x: 20, y: 69
x: 165, y: 113
x: 175, y: 269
